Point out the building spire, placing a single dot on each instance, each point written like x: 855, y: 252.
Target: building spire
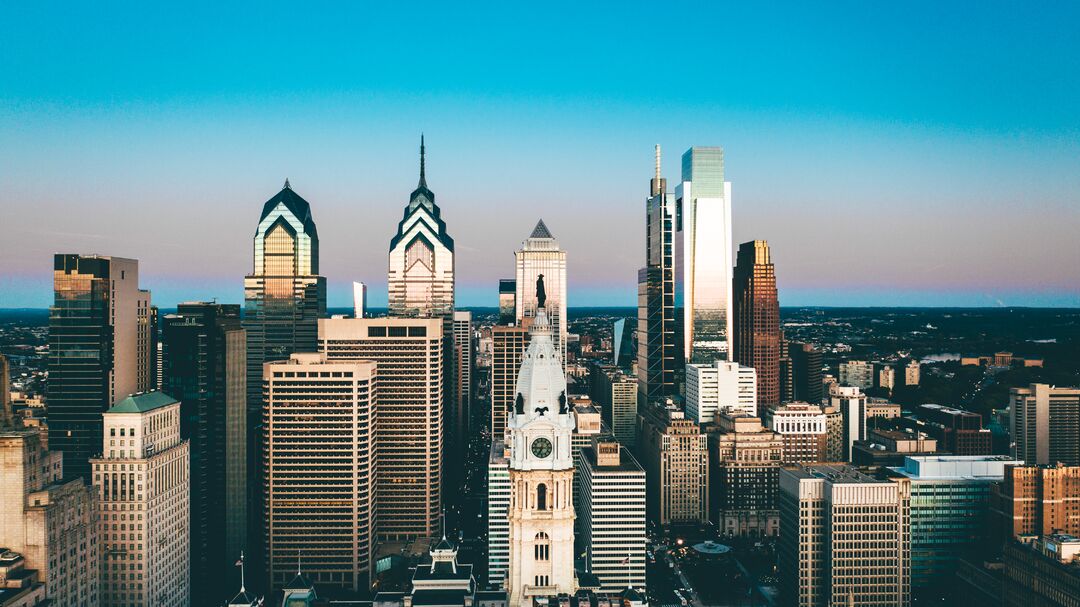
x: 658, y: 184
x: 287, y: 186
x: 423, y: 179
x: 242, y: 588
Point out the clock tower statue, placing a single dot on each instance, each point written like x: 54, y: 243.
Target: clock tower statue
x: 541, y: 513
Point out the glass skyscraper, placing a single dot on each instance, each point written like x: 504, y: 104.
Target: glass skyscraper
x: 756, y: 315
x: 540, y: 254
x: 703, y: 256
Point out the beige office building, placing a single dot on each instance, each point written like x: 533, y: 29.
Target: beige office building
x: 540, y: 254
x: 51, y: 523
x: 142, y: 479
x: 1045, y: 424
x: 318, y: 457
x: 676, y: 455
x: 408, y: 353
x: 804, y: 430
x: 844, y: 538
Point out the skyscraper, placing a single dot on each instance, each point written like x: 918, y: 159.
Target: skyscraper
x: 659, y: 353
x: 409, y: 441
x: 676, y: 457
x: 540, y: 255
x: 720, y: 386
x: 204, y: 360
x: 621, y: 334
x: 613, y: 516
x: 541, y: 512
x: 359, y: 295
x: 421, y: 274
x: 851, y: 403
x: 99, y: 350
x: 616, y: 394
x: 142, y: 479
x: 320, y: 478
x: 508, y: 350
x: 756, y: 318
x: 703, y: 256
x: 1036, y: 500
x: 1046, y: 424
x: 463, y: 365
x: 507, y: 301
x: 746, y: 465
x: 806, y: 373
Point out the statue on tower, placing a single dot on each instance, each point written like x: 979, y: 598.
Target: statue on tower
x: 541, y: 296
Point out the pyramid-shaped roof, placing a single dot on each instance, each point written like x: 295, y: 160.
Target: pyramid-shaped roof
x: 541, y: 231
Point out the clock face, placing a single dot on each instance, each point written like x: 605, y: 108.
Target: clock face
x: 541, y: 448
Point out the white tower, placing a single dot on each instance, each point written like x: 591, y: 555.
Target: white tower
x: 541, y: 512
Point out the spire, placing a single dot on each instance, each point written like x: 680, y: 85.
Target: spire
x: 423, y: 179
x: 287, y: 186
x: 242, y: 589
x: 658, y: 184
x: 297, y: 561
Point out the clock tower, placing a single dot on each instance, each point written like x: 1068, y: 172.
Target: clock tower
x: 541, y: 513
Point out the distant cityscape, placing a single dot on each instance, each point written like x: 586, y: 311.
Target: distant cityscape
x: 703, y: 447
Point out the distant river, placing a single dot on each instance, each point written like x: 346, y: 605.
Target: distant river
x: 940, y: 358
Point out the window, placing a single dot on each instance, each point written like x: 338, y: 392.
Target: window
x: 542, y: 547
x: 541, y: 497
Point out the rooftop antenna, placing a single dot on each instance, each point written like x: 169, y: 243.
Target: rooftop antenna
x: 242, y: 589
x: 297, y: 561
x: 658, y: 184
x: 287, y: 186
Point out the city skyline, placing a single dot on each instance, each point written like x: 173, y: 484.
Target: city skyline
x: 890, y: 156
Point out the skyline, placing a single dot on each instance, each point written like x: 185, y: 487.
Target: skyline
x: 926, y: 157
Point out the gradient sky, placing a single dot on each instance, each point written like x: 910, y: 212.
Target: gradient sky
x: 892, y: 153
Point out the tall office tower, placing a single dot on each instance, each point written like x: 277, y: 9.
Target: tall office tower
x: 844, y: 539
x: 463, y: 365
x: 787, y: 372
x: 806, y: 373
x: 507, y: 301
x: 703, y: 256
x: 421, y: 275
x: 950, y: 502
x: 320, y: 477
x: 498, y: 513
x: 508, y: 350
x: 835, y: 433
x: 7, y: 416
x: 613, y: 516
x: 142, y: 478
x: 616, y: 395
x: 676, y: 455
x: 718, y: 387
x: 622, y: 343
x: 851, y: 403
x: 204, y: 362
x: 540, y: 255
x: 659, y: 357
x: 541, y: 510
x: 857, y: 373
x: 51, y: 522
x: 1037, y: 500
x: 98, y: 332
x: 756, y: 318
x: 1045, y: 424
x: 803, y: 430
x: 359, y: 299
x: 746, y: 465
x: 409, y: 434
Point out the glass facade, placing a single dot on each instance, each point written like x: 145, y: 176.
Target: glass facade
x: 659, y: 354
x: 541, y: 254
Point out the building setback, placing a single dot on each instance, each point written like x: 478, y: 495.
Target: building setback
x: 142, y: 479
x: 756, y: 319
x: 319, y: 458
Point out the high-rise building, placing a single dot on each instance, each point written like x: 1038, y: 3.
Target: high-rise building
x: 884, y: 376
x: 746, y: 464
x: 844, y: 538
x: 958, y: 432
x: 756, y: 318
x: 1045, y: 424
x: 912, y: 372
x: 52, y: 523
x: 541, y: 513
x: 421, y: 275
x: 803, y: 428
x: 676, y: 456
x: 540, y: 255
x: 857, y: 373
x: 7, y: 416
x: 835, y: 432
x: 616, y: 394
x: 1036, y: 500
x: 204, y: 362
x: 703, y: 256
x: 99, y: 350
x: 409, y: 442
x: 786, y: 369
x: 284, y: 296
x: 1041, y: 573
x: 806, y: 373
x: 359, y: 298
x: 622, y: 343
x: 498, y: 513
x: 320, y: 462
x: 463, y: 349
x: 950, y: 502
x: 721, y: 386
x: 507, y: 301
x: 142, y: 479
x: 851, y: 403
x: 659, y: 354
x: 612, y: 516
x: 508, y: 350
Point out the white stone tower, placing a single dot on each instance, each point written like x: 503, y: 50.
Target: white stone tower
x: 541, y: 512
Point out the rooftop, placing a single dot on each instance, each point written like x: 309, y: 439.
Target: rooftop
x: 835, y: 473
x: 143, y: 402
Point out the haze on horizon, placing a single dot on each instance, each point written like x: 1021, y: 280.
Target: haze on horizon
x: 914, y: 153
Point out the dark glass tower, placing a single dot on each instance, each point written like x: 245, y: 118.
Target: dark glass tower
x: 756, y: 316
x: 806, y: 372
x: 204, y: 367
x: 658, y: 353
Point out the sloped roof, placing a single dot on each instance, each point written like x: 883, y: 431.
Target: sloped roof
x: 142, y: 402
x: 541, y: 231
x: 296, y: 205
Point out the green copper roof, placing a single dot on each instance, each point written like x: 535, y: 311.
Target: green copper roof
x: 144, y: 401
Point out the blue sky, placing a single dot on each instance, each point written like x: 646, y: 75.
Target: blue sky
x: 919, y: 153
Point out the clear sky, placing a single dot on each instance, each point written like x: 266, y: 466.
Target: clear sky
x: 892, y: 153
